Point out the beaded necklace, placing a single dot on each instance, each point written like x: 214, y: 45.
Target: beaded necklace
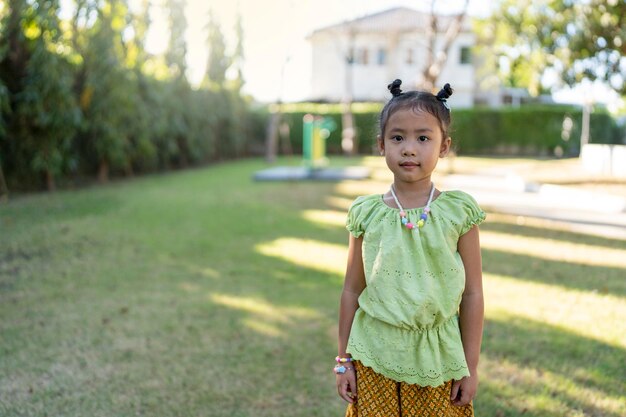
x: 403, y: 218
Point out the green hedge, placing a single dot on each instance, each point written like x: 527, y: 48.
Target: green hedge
x: 531, y: 130
x: 365, y: 115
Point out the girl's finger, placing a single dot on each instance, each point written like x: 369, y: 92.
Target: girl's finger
x: 342, y: 389
x: 352, y: 384
x: 465, y: 398
x: 346, y: 392
x: 454, y: 393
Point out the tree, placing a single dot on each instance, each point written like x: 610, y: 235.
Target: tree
x: 436, y: 58
x: 136, y: 46
x: 43, y: 114
x: 178, y: 90
x: 533, y: 41
x: 218, y: 62
x: 238, y: 57
x: 105, y: 98
x: 176, y: 54
x: 142, y: 123
x: 346, y: 50
x: 4, y: 110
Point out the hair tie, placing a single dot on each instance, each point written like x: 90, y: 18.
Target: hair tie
x: 394, y: 88
x: 443, y: 95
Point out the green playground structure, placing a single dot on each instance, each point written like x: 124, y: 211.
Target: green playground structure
x: 315, y: 131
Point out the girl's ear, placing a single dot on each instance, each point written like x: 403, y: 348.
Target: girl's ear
x: 381, y: 145
x: 445, y: 147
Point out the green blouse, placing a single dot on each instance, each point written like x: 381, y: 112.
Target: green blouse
x: 407, y: 325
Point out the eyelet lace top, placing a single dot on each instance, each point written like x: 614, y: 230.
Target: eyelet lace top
x: 406, y: 327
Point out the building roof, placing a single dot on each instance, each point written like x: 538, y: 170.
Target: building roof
x: 398, y: 19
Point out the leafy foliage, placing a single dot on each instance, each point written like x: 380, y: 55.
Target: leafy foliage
x: 238, y: 55
x: 567, y: 40
x: 177, y: 50
x: 218, y: 61
x: 43, y: 115
x: 82, y: 97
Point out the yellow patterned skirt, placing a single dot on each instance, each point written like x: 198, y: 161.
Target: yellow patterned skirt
x: 379, y: 396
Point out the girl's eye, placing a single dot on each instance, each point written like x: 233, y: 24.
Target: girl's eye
x: 396, y: 138
x: 423, y: 139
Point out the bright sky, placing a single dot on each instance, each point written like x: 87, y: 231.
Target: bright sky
x: 275, y: 34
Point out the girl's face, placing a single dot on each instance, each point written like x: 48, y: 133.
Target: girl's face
x: 412, y: 145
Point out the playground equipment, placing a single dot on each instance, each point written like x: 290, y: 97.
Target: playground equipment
x: 315, y: 131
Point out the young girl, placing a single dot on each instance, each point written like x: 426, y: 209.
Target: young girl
x: 411, y: 313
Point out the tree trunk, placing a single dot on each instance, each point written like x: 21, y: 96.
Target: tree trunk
x: 103, y: 171
x: 285, y: 139
x: 348, y: 137
x: 4, y: 190
x: 271, y: 138
x: 182, y: 149
x: 128, y: 170
x: 50, y: 183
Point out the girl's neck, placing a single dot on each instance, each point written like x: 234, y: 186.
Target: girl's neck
x: 413, y: 194
x: 413, y: 189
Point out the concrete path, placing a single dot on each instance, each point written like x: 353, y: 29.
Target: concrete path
x: 584, y: 211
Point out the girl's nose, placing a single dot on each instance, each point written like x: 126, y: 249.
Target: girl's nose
x: 408, y: 151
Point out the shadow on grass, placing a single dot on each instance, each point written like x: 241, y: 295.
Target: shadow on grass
x: 536, y: 369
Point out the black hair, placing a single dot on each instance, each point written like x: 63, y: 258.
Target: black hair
x: 436, y: 105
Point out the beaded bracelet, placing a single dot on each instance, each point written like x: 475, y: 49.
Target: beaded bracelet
x: 340, y: 369
x: 343, y: 360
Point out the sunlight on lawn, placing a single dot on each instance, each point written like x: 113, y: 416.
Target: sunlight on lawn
x: 580, y: 312
x: 553, y: 249
x: 340, y: 203
x: 326, y: 217
x: 543, y: 391
x: 265, y: 318
x: 314, y: 254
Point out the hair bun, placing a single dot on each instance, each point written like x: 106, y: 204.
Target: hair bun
x: 394, y: 88
x: 445, y: 92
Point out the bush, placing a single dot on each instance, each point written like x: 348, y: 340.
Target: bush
x: 536, y: 130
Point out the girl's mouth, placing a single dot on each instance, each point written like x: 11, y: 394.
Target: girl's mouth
x: 409, y: 164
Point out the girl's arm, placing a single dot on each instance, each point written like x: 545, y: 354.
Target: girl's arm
x: 353, y: 286
x: 471, y: 315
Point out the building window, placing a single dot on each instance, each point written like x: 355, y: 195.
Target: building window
x: 362, y: 57
x: 350, y: 56
x: 466, y: 55
x: 381, y: 58
x: 409, y: 57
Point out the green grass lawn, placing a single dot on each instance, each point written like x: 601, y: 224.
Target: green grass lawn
x: 203, y: 293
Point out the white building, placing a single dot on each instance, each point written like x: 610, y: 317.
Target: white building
x: 385, y: 46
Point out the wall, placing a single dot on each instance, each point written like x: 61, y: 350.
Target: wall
x: 609, y: 160
x: 369, y: 81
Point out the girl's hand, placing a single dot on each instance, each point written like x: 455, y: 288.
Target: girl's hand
x: 346, y: 385
x: 464, y: 390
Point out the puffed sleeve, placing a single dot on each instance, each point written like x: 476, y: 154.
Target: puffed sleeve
x: 474, y: 214
x: 463, y: 212
x: 354, y: 222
